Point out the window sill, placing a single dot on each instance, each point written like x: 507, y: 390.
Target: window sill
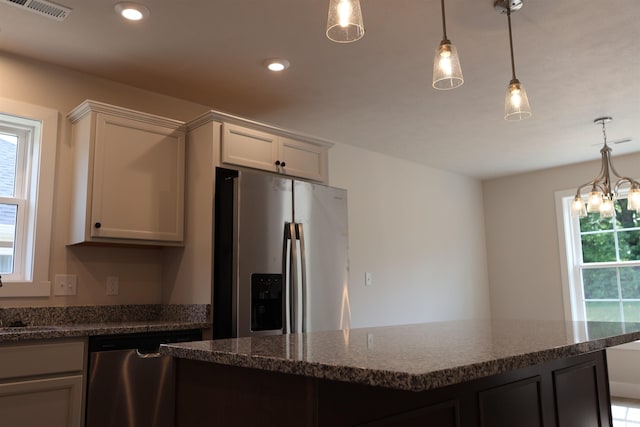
x: 25, y: 289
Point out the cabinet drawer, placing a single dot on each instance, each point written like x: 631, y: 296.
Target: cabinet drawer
x: 21, y: 360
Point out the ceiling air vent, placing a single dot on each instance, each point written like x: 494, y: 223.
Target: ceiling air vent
x: 42, y: 7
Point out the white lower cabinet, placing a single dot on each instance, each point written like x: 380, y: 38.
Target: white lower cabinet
x: 41, y: 384
x: 48, y: 402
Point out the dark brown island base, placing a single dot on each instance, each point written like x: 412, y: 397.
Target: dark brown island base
x: 466, y: 373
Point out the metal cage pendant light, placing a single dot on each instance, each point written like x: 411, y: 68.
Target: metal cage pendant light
x: 516, y: 103
x: 447, y: 73
x: 602, y: 196
x: 344, y: 23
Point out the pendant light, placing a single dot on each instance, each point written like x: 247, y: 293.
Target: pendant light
x: 447, y: 73
x: 602, y: 196
x: 516, y: 102
x: 344, y: 24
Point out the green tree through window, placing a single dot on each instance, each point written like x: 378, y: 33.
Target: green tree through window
x: 610, y: 265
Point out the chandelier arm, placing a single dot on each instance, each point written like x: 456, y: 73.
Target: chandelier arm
x: 592, y: 184
x: 615, y: 172
x: 604, y: 170
x: 625, y: 180
x: 603, y: 189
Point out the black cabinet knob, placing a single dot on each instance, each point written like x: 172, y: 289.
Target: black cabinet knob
x: 277, y: 162
x: 97, y: 225
x: 283, y: 164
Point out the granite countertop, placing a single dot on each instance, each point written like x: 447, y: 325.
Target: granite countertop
x: 413, y: 357
x: 69, y: 322
x: 42, y: 332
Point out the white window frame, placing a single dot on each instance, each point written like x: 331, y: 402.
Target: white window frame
x: 25, y: 131
x: 35, y: 253
x: 568, y: 241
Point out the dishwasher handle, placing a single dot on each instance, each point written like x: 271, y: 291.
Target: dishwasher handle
x: 153, y: 355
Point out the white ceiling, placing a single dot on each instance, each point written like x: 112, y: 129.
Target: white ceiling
x: 578, y: 60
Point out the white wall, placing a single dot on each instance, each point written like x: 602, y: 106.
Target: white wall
x: 420, y: 232
x: 523, y: 250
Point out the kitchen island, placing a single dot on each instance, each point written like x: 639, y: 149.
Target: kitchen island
x: 464, y: 373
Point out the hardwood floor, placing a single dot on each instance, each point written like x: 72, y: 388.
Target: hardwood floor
x: 625, y: 412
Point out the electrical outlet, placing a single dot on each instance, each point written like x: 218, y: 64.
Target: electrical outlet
x: 65, y: 284
x: 368, y: 279
x: 112, y: 285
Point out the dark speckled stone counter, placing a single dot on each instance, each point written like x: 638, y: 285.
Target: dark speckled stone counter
x: 82, y: 321
x: 413, y: 357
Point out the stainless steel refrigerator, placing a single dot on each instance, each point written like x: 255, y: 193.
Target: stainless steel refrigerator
x: 281, y: 256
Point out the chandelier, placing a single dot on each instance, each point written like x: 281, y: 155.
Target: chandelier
x: 602, y: 196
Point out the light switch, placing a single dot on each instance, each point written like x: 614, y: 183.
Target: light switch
x: 113, y: 285
x: 368, y: 279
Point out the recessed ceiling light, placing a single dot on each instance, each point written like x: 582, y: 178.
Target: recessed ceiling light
x: 132, y: 11
x: 276, y: 64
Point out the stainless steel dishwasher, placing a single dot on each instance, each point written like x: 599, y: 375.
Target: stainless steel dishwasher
x: 130, y: 384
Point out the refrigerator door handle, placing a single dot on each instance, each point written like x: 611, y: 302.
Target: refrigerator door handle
x: 292, y: 282
x: 286, y: 269
x: 303, y: 276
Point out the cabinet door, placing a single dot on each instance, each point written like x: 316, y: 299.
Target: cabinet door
x: 248, y: 147
x: 51, y: 402
x: 138, y: 181
x: 303, y: 159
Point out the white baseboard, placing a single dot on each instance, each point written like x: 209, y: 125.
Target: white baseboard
x: 627, y: 390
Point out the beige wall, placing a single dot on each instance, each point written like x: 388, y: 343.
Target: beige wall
x: 419, y: 231
x: 522, y: 238
x: 139, y: 270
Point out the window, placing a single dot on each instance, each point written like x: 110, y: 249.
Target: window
x: 15, y: 145
x: 28, y: 137
x: 602, y: 264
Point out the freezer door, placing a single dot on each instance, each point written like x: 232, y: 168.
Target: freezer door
x: 320, y: 213
x: 264, y: 210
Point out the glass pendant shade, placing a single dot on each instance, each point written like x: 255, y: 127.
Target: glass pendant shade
x: 516, y: 102
x: 344, y: 24
x: 594, y: 201
x: 578, y: 208
x: 447, y: 73
x: 607, y: 209
x: 633, y: 200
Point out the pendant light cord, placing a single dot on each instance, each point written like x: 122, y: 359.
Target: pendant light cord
x: 604, y: 132
x: 513, y: 64
x: 444, y: 22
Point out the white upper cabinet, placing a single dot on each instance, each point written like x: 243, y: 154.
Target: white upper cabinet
x: 302, y: 159
x: 129, y: 170
x: 248, y: 147
x: 253, y: 148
